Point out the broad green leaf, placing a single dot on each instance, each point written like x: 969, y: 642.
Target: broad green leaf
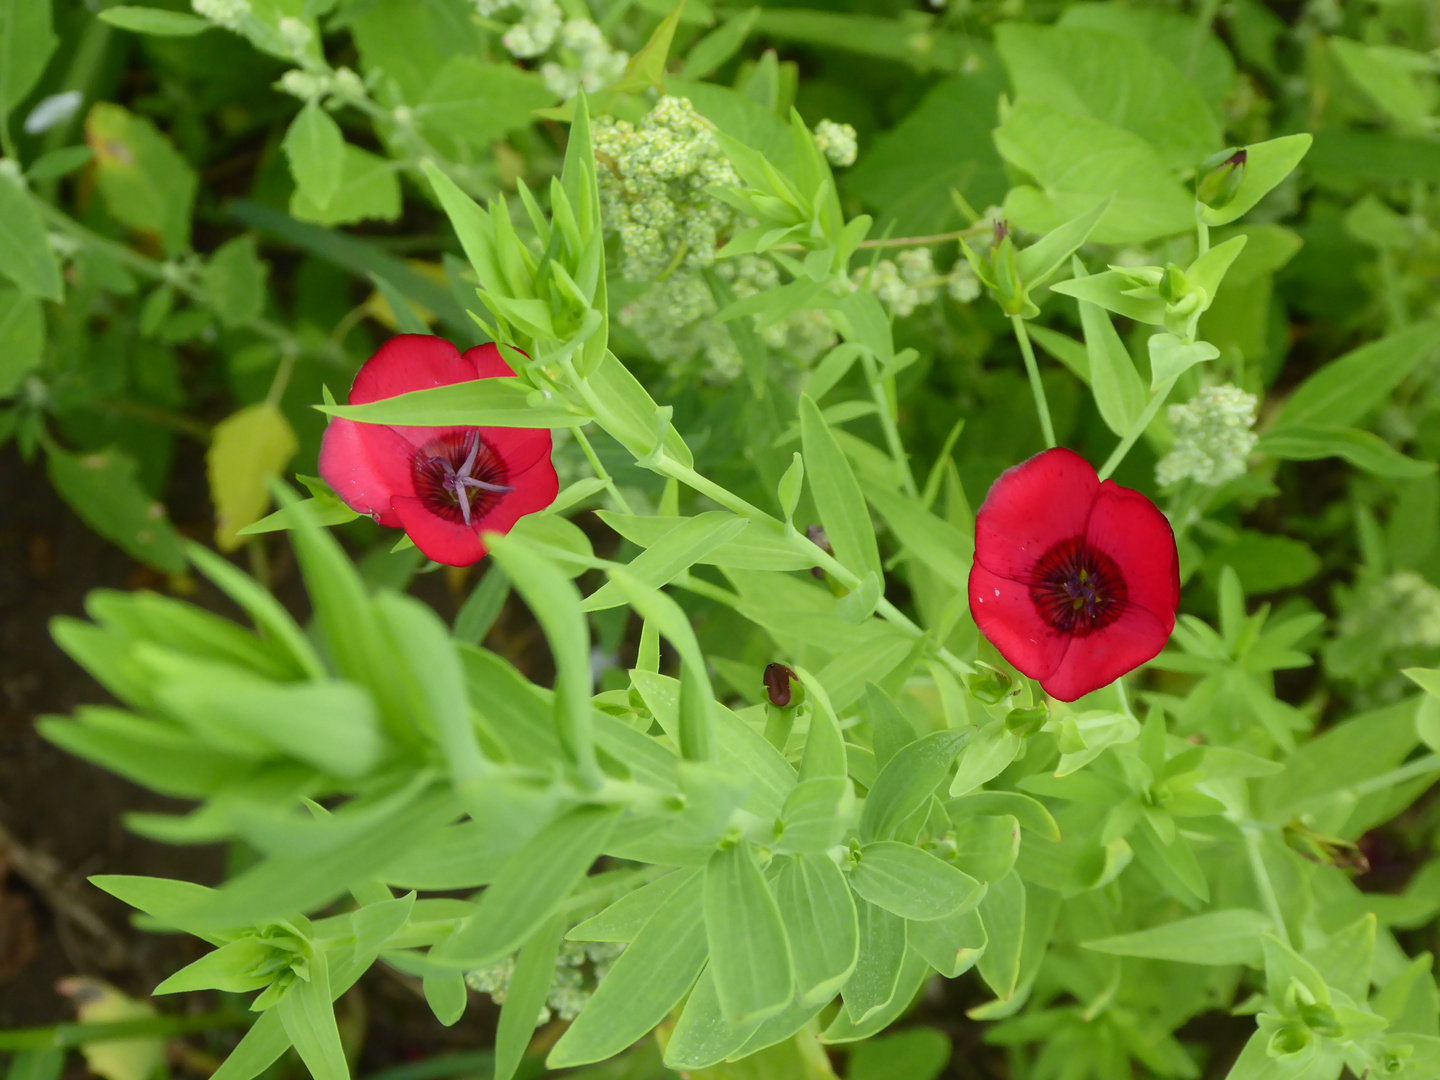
x: 951, y: 945
x: 377, y: 922
x: 1119, y: 394
x: 1114, y: 79
x: 877, y: 969
x: 908, y: 781
x: 1170, y: 357
x: 555, y: 602
x: 475, y: 102
x: 1041, y: 259
x: 1347, y: 389
x: 1002, y: 912
x: 533, y: 885
x: 309, y: 1021
x: 626, y: 917
x: 163, y: 899
x: 367, y: 189
x: 632, y: 412
x: 1231, y: 936
x: 1266, y: 164
x: 919, y: 1053
x: 987, y: 755
x: 22, y: 338
x: 816, y: 815
x: 503, y: 402
x: 157, y: 21
x: 1075, y: 161
x: 986, y: 845
x: 818, y: 913
x: 1346, y: 957
x: 248, y: 449
x: 672, y: 554
x: 104, y: 490
x: 749, y: 952
x: 234, y: 280
x: 25, y: 255
x: 525, y: 996
x: 702, y: 1036
x: 1399, y: 80
x: 146, y: 183
x: 27, y: 42
x: 910, y: 882
x: 837, y: 496
x: 1309, y: 442
x: 645, y: 983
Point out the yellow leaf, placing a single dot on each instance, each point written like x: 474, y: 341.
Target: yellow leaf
x: 248, y: 448
x: 97, y: 1002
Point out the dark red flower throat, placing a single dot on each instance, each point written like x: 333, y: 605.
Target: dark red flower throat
x: 458, y: 476
x: 1077, y: 588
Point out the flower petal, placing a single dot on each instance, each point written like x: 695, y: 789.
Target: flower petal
x: 1008, y: 617
x: 1130, y: 529
x: 487, y: 361
x: 1030, y: 509
x: 1100, y: 658
x: 409, y: 362
x: 535, y: 489
x: 367, y: 465
x: 520, y: 448
x: 450, y: 542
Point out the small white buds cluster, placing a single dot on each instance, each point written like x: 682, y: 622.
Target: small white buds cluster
x: 962, y: 283
x: 837, y: 142
x: 1213, y: 437
x: 578, y: 970
x: 585, y: 61
x: 537, y: 29
x: 296, y: 36
x: 304, y: 85
x: 909, y: 282
x: 227, y: 13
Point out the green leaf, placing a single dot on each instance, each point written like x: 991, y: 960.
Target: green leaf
x: 877, y: 969
x: 951, y: 945
x: 25, y: 255
x: 715, y: 48
x: 1041, y: 259
x: 525, y: 997
x: 645, y: 983
x: 1119, y: 394
x: 446, y: 994
x: 1346, y: 957
x: 1231, y: 936
x: 1002, y: 912
x: 646, y: 69
x: 920, y: 1053
x: 146, y: 183
x: 837, y: 495
x: 908, y: 781
x: 248, y: 449
x: 533, y: 885
x: 912, y: 975
x: 157, y: 21
x: 702, y: 1037
x: 757, y: 546
x: 931, y: 541
x: 911, y: 882
x: 1345, y: 390
x: 315, y: 148
x: 673, y: 554
x: 818, y: 913
x: 234, y: 279
x: 1109, y: 289
x: 1266, y: 164
x: 22, y: 338
x: 367, y: 189
x: 502, y: 402
x: 816, y: 815
x: 749, y: 950
x: 104, y: 490
x: 309, y: 1021
x: 27, y: 42
x: 1310, y: 442
x: 626, y: 917
x: 1075, y: 161
x: 1170, y: 357
x: 477, y: 102
x: 1118, y: 80
x: 228, y: 968
x: 1399, y: 80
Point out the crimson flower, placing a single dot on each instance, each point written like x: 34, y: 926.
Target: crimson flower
x: 1075, y: 581
x: 443, y: 485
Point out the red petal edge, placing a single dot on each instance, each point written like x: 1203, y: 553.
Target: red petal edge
x: 1031, y: 508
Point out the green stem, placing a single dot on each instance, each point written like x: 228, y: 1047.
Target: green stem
x: 281, y: 381
x: 155, y: 1027
x: 1412, y: 770
x: 880, y: 391
x: 1036, y: 386
x: 1202, y: 235
x: 1263, y: 883
x: 1390, y: 291
x: 153, y: 414
x: 1137, y: 429
x: 600, y: 471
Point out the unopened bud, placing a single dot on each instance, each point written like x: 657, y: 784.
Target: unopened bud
x: 990, y: 685
x: 1222, y: 182
x: 1173, y: 285
x: 1027, y: 720
x: 782, y: 687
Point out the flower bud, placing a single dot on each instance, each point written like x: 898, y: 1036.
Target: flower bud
x: 1026, y: 721
x: 990, y: 685
x: 1221, y: 184
x: 783, y: 689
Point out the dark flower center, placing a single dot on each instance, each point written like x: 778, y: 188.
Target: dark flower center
x: 459, y: 476
x: 1077, y: 588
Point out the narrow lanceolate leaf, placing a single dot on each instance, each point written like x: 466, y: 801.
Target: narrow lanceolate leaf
x: 1231, y: 936
x: 674, y: 553
x: 908, y: 780
x: 911, y: 882
x: 837, y: 495
x: 501, y: 402
x: 1119, y: 394
x: 27, y: 41
x: 1346, y: 389
x: 818, y: 913
x: 533, y: 884
x: 749, y: 952
x: 877, y: 970
x: 25, y: 255
x: 315, y: 147
x: 309, y: 1020
x: 650, y: 977
x: 525, y: 996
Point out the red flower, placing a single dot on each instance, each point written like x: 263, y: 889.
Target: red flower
x: 1075, y: 581
x: 442, y: 485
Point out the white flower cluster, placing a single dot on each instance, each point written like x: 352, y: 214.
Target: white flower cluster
x: 836, y: 141
x: 588, y: 61
x: 537, y: 29
x: 962, y: 283
x: 905, y: 284
x: 1212, y: 437
x: 1403, y: 611
x: 578, y: 970
x: 227, y: 13
x: 296, y: 35
x: 303, y: 84
x: 652, y: 178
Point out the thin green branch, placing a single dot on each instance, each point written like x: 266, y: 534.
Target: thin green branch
x: 1037, y: 388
